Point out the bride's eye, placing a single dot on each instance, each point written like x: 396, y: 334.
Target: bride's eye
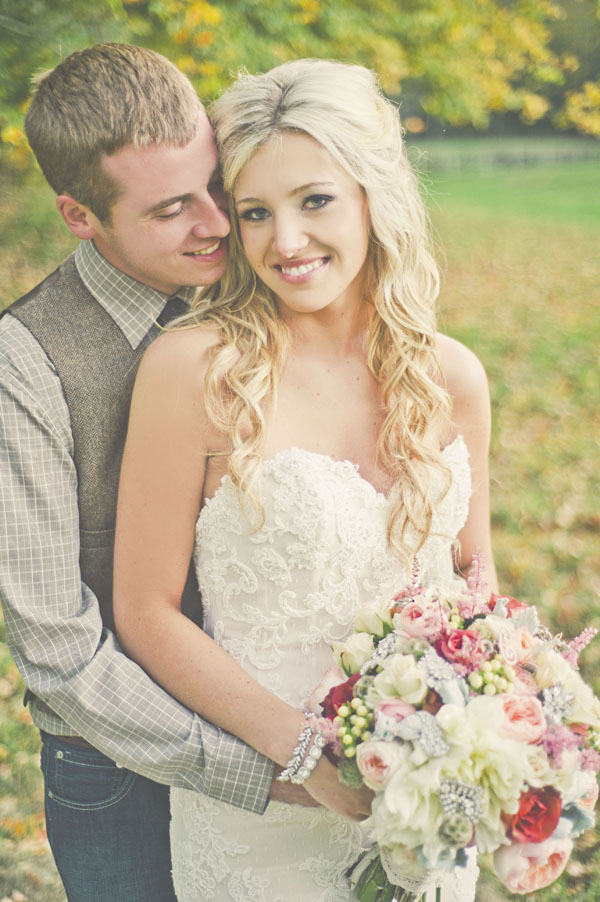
x: 254, y: 214
x: 317, y: 201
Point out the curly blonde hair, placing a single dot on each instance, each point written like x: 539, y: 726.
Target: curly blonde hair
x: 341, y: 107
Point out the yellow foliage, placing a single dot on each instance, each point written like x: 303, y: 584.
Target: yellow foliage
x: 199, y: 12
x: 188, y: 64
x: 534, y: 107
x: 14, y: 134
x: 569, y: 63
x: 14, y: 826
x: 204, y: 38
x: 310, y: 10
x: 209, y: 70
x: 487, y: 44
x: 582, y: 109
x: 19, y: 152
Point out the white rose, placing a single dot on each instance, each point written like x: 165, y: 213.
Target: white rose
x: 541, y: 772
x: 354, y: 652
x: 478, y: 753
x: 551, y: 668
x: 407, y: 810
x: 373, y: 618
x: 401, y: 677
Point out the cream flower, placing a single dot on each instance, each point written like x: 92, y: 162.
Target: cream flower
x: 374, y: 618
x: 551, y: 668
x: 541, y: 773
x: 401, y: 677
x: 354, y: 652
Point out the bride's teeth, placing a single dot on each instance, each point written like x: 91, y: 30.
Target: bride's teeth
x: 301, y: 270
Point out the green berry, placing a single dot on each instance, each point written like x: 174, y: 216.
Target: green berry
x: 476, y: 680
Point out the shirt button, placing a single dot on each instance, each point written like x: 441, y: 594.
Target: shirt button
x: 60, y: 754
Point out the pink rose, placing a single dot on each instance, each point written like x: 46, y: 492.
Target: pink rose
x: 527, y: 867
x: 462, y: 647
x: 589, y: 799
x: 377, y: 761
x: 394, y: 709
x: 516, y: 646
x: 525, y: 683
x: 513, y: 606
x: 524, y: 718
x: 418, y: 622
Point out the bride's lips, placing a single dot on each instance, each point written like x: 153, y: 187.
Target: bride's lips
x: 209, y: 254
x: 298, y: 271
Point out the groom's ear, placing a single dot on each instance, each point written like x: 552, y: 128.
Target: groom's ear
x: 78, y: 218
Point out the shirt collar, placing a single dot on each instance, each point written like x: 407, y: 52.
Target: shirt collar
x: 133, y: 306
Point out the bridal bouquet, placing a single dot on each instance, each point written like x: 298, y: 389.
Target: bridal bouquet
x: 472, y: 725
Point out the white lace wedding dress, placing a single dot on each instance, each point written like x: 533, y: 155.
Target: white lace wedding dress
x: 275, y: 599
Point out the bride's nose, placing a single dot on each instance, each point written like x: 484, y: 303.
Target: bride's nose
x: 289, y: 236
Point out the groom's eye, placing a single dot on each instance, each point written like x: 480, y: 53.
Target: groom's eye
x: 170, y: 212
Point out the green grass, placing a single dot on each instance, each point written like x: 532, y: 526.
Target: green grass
x: 552, y: 194
x: 521, y: 289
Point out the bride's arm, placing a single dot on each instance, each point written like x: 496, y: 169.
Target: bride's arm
x: 162, y: 478
x: 467, y: 385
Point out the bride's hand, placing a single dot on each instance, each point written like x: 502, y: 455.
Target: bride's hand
x: 326, y: 788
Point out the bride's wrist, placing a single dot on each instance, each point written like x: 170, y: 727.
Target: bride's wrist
x: 313, y: 741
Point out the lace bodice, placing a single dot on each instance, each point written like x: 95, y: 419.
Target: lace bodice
x: 274, y: 598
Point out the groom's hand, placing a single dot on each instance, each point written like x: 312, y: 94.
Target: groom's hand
x: 290, y: 793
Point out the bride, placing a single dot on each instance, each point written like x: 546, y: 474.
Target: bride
x: 305, y: 436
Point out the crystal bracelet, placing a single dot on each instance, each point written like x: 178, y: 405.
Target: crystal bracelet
x: 298, y: 755
x: 310, y: 761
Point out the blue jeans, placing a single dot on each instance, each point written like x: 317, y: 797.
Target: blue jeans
x: 108, y: 828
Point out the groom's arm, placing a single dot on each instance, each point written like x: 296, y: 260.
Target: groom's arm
x: 82, y: 682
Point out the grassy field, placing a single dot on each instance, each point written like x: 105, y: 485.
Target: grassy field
x: 522, y: 290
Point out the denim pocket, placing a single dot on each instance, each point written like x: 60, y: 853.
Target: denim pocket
x: 83, y: 779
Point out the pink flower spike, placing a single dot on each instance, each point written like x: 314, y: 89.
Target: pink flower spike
x: 590, y: 760
x: 578, y: 644
x: 475, y: 602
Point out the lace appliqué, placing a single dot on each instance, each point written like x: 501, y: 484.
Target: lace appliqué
x: 204, y: 857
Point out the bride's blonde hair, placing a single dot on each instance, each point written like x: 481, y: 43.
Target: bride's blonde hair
x: 341, y: 107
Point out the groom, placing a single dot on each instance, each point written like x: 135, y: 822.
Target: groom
x: 124, y: 141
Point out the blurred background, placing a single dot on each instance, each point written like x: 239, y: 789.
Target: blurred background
x: 501, y: 106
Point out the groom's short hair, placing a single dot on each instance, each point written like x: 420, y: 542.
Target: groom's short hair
x: 97, y: 101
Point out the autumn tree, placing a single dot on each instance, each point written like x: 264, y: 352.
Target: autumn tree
x: 456, y: 60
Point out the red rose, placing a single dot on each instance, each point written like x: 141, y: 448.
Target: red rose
x: 338, y: 696
x: 537, y: 817
x: 513, y: 606
x: 461, y: 647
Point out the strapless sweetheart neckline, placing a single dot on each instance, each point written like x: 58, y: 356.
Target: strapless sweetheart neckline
x: 269, y: 462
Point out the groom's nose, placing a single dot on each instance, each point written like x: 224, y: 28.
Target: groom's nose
x: 212, y: 220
